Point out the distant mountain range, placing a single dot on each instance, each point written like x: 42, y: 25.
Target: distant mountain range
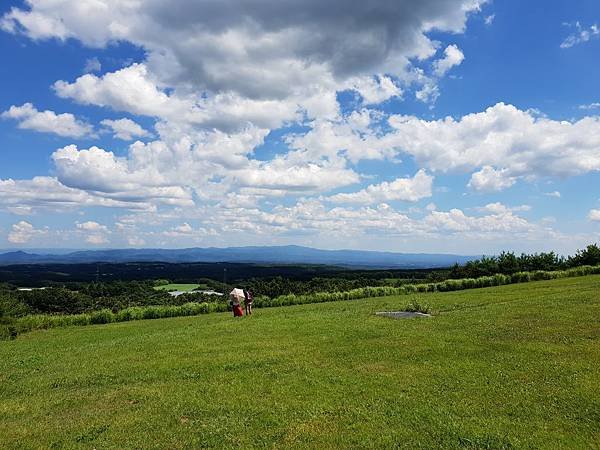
x: 291, y: 254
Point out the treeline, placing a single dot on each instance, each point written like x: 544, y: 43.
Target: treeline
x: 78, y: 298
x: 274, y: 287
x: 508, y: 263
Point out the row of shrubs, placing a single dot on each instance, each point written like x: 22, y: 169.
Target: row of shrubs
x: 443, y: 286
x: 44, y: 321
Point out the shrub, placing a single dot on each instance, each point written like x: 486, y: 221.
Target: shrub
x: 415, y: 306
x: 102, y: 316
x: 521, y: 277
x: 7, y: 332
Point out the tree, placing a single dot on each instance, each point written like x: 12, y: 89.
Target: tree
x: 588, y: 257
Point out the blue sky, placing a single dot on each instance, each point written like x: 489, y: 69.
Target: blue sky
x: 437, y: 126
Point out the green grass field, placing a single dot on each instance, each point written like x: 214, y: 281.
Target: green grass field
x: 184, y: 287
x: 507, y: 367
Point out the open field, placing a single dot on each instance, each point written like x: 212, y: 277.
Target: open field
x: 511, y: 366
x: 183, y: 287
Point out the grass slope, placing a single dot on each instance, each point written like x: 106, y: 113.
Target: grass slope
x: 513, y: 366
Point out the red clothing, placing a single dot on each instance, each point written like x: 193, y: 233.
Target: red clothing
x: 237, y: 311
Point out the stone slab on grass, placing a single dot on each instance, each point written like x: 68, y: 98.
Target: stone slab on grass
x: 401, y: 314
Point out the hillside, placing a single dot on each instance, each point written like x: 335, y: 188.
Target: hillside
x: 508, y: 367
x: 291, y: 254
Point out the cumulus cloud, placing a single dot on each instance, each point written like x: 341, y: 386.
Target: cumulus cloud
x: 521, y: 143
x: 554, y: 194
x: 186, y: 231
x: 594, y: 215
x: 125, y: 129
x: 489, y: 179
x: 289, y: 58
x: 589, y: 106
x: 135, y: 90
x: 282, y: 175
x: 453, y: 56
x: 135, y: 241
x: 263, y: 39
x: 581, y: 35
x: 501, y: 208
x: 92, y: 65
x: 456, y: 220
x: 22, y: 232
x: 102, y: 173
x: 289, y: 61
x: 94, y: 232
x: 376, y: 89
x: 92, y: 226
x: 48, y: 193
x: 130, y: 89
x: 65, y: 124
x: 406, y: 189
x: 429, y: 93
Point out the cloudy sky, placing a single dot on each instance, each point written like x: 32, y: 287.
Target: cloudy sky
x: 465, y: 126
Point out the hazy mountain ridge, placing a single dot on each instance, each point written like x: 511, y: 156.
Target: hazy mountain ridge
x: 291, y: 254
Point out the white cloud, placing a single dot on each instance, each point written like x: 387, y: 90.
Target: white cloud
x: 94, y: 232
x: 92, y: 65
x: 135, y: 241
x: 405, y: 189
x: 186, y: 231
x: 489, y: 179
x: 289, y: 58
x: 429, y: 93
x: 125, y: 129
x: 376, y: 89
x: 102, y: 173
x: 453, y: 56
x: 91, y: 226
x: 47, y: 193
x: 489, y: 19
x: 22, y: 232
x: 521, y: 143
x: 264, y: 40
x: 96, y: 239
x: 130, y: 89
x: 595, y: 105
x: 554, y: 194
x: 581, y: 35
x: 594, y: 215
x: 48, y: 121
x: 283, y: 174
x: 135, y: 90
x: 455, y: 220
x: 500, y: 208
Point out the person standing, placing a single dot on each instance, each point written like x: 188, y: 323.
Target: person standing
x: 248, y: 299
x: 234, y: 299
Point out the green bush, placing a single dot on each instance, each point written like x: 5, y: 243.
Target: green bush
x: 415, y: 306
x: 8, y: 332
x: 102, y: 316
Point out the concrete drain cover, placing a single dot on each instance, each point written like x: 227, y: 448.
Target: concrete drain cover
x: 401, y: 314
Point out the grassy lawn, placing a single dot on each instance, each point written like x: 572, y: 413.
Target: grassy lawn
x: 508, y: 367
x: 184, y: 287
